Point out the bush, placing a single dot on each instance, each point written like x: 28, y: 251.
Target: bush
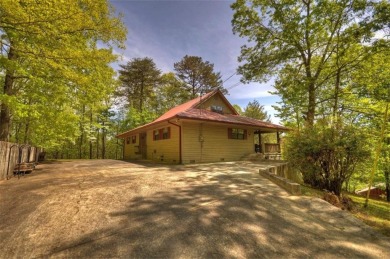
x: 326, y: 156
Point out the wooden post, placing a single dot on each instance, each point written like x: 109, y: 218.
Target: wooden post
x: 260, y: 144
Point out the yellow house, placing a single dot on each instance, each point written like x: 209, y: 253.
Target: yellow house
x: 205, y: 129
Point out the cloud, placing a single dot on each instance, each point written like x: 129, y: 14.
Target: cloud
x: 251, y: 91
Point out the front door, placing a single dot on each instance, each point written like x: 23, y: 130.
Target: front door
x: 142, y: 144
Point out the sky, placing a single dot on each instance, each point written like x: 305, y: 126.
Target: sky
x: 166, y: 31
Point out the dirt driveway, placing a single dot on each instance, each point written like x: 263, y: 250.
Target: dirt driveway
x: 108, y: 208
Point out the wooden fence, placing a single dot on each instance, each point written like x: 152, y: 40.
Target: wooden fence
x: 11, y: 154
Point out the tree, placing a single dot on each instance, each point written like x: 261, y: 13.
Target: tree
x: 315, y: 40
x: 326, y: 156
x: 256, y: 111
x: 238, y: 108
x: 139, y: 78
x: 197, y: 75
x: 169, y: 93
x: 385, y: 165
x: 50, y: 62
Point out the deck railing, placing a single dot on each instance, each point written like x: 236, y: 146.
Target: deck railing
x: 271, y: 148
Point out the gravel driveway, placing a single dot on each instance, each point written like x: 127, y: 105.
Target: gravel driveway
x: 108, y: 208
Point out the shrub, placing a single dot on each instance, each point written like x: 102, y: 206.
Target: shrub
x: 326, y: 156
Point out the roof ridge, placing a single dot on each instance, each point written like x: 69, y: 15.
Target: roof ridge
x: 185, y: 106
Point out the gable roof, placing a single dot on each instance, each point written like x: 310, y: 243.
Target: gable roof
x: 192, y: 110
x: 196, y: 102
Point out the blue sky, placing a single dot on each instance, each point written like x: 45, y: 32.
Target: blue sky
x: 166, y: 31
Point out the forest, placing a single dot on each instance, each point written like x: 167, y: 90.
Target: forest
x: 330, y: 61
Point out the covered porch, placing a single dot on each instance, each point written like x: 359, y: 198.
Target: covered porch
x: 267, y: 144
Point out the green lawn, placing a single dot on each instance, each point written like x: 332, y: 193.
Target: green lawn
x: 376, y: 215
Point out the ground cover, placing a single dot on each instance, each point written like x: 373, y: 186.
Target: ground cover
x: 376, y: 214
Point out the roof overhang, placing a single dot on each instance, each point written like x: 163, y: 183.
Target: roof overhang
x: 267, y: 127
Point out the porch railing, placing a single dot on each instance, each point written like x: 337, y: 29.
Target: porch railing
x: 271, y: 148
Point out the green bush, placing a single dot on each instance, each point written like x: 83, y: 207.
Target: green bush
x: 326, y: 156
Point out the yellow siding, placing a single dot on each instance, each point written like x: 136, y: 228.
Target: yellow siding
x: 164, y: 150
x: 131, y: 149
x: 215, y: 100
x: 216, y: 146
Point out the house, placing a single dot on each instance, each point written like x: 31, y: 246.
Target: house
x: 376, y: 192
x: 205, y: 129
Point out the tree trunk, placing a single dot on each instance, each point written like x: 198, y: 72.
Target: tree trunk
x: 336, y: 97
x: 335, y: 186
x: 103, y: 143
x: 90, y: 141
x: 311, y: 108
x: 97, y: 144
x: 5, y: 112
x: 26, y: 132
x: 82, y: 133
x: 18, y: 127
x: 387, y: 179
x: 117, y: 141
x: 141, y: 101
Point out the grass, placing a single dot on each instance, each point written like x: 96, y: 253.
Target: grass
x: 376, y: 214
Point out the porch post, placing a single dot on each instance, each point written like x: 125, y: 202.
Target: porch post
x: 278, y: 140
x: 260, y: 144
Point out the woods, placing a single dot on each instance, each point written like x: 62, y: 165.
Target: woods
x: 55, y: 68
x: 59, y: 90
x: 329, y: 61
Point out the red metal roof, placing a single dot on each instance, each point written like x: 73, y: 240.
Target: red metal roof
x: 183, y: 107
x: 189, y: 110
x: 206, y: 115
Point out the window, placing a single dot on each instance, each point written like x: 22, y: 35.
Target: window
x: 128, y: 140
x: 237, y: 133
x: 164, y: 133
x: 156, y: 135
x: 134, y: 139
x: 216, y: 108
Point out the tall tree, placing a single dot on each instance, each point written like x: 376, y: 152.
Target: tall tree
x: 169, y: 94
x: 256, y: 111
x: 139, y: 78
x: 197, y: 75
x: 49, y: 54
x: 312, y: 37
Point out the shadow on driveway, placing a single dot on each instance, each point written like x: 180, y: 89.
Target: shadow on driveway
x: 223, y: 210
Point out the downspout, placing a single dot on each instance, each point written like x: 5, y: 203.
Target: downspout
x: 180, y: 152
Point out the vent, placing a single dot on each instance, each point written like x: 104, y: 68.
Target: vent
x: 192, y: 161
x: 222, y: 159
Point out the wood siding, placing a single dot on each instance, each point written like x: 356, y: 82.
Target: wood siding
x: 163, y: 150
x: 217, y: 101
x: 215, y: 146
x: 130, y: 149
